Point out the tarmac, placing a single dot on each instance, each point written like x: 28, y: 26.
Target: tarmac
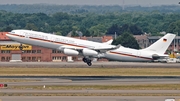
x: 94, y: 64
x: 94, y: 80
x: 72, y: 81
x: 87, y: 98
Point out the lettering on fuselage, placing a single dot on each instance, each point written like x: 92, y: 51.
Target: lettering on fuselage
x: 47, y: 37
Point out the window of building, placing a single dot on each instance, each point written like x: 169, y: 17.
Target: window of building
x: 33, y: 51
x: 59, y: 52
x: 2, y: 58
x: 144, y: 45
x: 28, y: 51
x: 33, y: 58
x: 59, y: 58
x: 25, y: 51
x: 53, y: 51
x: 28, y: 58
x: 56, y: 58
x: 8, y: 58
x: 38, y: 51
x: 23, y: 58
x: 2, y: 51
x: 5, y: 51
x: 74, y: 58
x: 53, y: 58
x: 64, y: 58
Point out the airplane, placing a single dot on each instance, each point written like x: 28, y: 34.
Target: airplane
x: 89, y: 49
x: 69, y: 46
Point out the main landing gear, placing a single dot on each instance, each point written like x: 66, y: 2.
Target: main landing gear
x: 88, y: 61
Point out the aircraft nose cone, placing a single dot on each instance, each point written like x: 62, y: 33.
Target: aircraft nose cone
x: 9, y: 35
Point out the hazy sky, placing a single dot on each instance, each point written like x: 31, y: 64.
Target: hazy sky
x: 93, y: 2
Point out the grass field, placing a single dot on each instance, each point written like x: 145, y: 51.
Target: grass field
x: 21, y: 71
x: 86, y: 94
x: 102, y: 87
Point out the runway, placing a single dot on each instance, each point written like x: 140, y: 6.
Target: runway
x: 88, y: 91
x: 83, y: 65
x: 87, y: 98
x: 72, y: 81
x: 68, y: 82
x: 91, y: 81
x: 86, y: 94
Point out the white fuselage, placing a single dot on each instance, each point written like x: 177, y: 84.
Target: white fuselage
x: 53, y: 41
x: 128, y: 54
x: 61, y: 42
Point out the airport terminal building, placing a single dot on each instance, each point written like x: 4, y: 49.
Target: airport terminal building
x: 10, y: 51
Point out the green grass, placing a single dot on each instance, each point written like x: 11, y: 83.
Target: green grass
x: 17, y: 80
x: 103, y: 87
x: 89, y: 71
x: 88, y: 94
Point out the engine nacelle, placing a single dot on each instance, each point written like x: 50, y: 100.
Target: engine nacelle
x: 155, y: 56
x: 88, y: 52
x: 70, y: 52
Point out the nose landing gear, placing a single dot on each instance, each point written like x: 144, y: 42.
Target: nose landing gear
x: 21, y: 48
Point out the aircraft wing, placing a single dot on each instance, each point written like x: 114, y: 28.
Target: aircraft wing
x: 107, y: 48
x: 92, y: 48
x: 71, y: 47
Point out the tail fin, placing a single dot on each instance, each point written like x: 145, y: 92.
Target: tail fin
x: 161, y: 45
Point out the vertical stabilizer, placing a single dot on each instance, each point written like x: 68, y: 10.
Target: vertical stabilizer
x: 161, y: 45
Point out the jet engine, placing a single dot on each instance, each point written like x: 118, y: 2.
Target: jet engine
x: 88, y: 52
x: 155, y: 56
x: 70, y: 52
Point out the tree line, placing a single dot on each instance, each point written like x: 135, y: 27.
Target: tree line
x: 92, y: 24
x: 80, y: 9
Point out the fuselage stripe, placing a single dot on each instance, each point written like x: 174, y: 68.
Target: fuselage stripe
x: 131, y: 55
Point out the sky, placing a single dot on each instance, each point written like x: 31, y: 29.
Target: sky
x: 93, y: 2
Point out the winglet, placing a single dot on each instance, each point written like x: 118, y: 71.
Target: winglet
x: 109, y: 42
x: 117, y: 46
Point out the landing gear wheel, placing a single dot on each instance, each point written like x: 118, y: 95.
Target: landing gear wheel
x: 89, y: 63
x: 85, y: 60
x: 21, y: 47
